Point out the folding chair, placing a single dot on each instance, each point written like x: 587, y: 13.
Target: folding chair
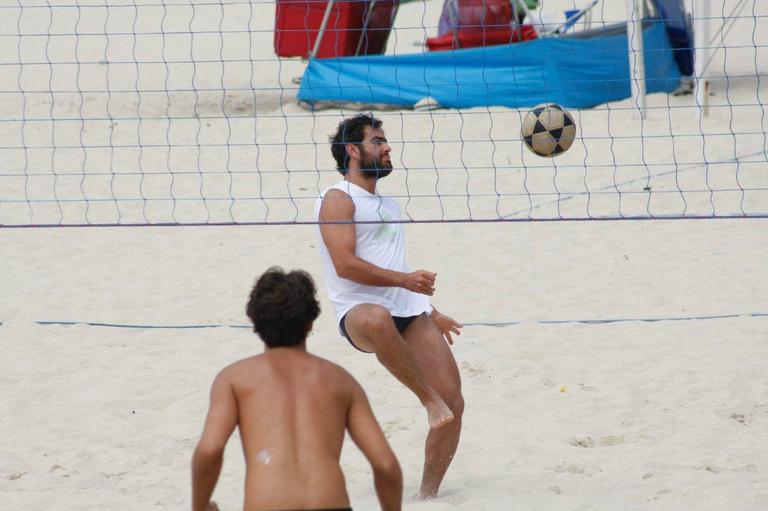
x: 571, y: 17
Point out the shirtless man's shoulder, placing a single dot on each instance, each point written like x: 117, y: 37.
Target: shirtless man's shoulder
x: 277, y: 366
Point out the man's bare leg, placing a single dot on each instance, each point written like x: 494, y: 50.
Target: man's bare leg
x: 437, y: 363
x: 372, y: 329
x: 439, y: 450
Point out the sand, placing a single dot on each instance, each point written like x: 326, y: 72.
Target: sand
x: 605, y: 365
x: 632, y: 414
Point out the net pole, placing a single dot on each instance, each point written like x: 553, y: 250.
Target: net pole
x: 636, y: 54
x: 701, y: 27
x: 321, y: 30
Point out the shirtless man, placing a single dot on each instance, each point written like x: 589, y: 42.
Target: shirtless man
x: 292, y: 409
x: 382, y: 306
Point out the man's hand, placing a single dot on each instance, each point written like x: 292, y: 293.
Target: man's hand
x: 420, y: 281
x: 446, y: 325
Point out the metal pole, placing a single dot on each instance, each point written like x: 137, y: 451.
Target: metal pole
x: 364, y: 32
x: 701, y: 37
x: 636, y: 54
x: 392, y: 17
x: 321, y: 30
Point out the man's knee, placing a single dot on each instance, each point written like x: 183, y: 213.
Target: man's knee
x: 456, y: 404
x: 376, y: 322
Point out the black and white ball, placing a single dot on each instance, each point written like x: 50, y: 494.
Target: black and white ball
x: 548, y: 130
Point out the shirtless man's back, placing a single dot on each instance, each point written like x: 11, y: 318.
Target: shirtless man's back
x: 292, y: 409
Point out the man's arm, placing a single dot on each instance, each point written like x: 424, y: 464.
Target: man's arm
x: 367, y: 435
x: 336, y: 214
x: 209, y: 453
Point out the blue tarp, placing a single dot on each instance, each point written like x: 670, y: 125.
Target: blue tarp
x: 578, y: 71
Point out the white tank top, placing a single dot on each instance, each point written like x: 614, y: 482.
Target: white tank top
x: 381, y: 244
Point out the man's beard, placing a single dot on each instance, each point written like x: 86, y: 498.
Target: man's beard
x: 370, y: 166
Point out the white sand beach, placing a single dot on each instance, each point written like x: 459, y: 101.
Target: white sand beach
x: 635, y: 415
x: 605, y: 364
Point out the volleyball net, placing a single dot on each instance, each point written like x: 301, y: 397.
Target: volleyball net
x: 150, y: 112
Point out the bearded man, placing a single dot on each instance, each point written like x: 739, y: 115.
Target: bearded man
x: 382, y: 307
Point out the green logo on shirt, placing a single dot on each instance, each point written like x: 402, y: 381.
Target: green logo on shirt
x: 385, y: 232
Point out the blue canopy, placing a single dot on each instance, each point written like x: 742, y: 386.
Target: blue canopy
x: 578, y: 71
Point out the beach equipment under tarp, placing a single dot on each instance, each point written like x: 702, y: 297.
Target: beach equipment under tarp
x: 580, y: 70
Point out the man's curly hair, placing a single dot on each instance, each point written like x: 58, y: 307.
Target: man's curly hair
x: 283, y: 306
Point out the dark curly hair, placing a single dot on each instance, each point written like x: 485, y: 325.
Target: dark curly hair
x: 350, y: 131
x: 283, y: 306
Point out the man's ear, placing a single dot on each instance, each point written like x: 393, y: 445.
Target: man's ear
x: 353, y: 151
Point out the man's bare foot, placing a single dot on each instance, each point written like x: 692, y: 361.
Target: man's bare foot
x: 425, y: 495
x: 438, y: 414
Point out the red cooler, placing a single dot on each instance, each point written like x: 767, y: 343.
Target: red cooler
x: 472, y: 37
x: 355, y: 27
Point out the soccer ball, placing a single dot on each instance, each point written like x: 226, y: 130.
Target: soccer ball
x: 548, y: 130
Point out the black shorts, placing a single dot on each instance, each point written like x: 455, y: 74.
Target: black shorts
x: 401, y: 323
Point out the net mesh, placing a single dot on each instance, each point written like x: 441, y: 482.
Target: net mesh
x: 130, y: 112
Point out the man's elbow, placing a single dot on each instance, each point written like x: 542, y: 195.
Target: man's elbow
x: 388, y: 467
x: 343, y: 268
x: 207, y: 453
